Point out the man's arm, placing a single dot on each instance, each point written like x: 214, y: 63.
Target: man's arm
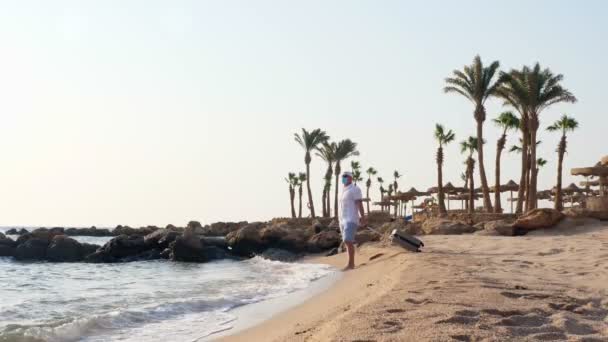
x: 362, y: 220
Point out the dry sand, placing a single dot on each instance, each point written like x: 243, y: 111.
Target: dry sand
x: 551, y: 285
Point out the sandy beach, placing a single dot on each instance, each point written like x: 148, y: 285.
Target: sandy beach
x: 548, y: 285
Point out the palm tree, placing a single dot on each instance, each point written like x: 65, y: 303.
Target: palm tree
x: 344, y: 150
x: 526, y: 172
x: 310, y: 141
x: 443, y: 138
x: 534, y: 90
x: 476, y: 83
x: 470, y: 145
x: 506, y: 121
x: 370, y: 172
x: 327, y: 152
x: 396, y: 176
x: 301, y: 180
x: 292, y: 180
x: 563, y: 125
x: 390, y: 190
x: 382, y: 191
x: 356, y: 170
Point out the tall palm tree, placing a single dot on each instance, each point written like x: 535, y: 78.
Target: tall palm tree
x: 327, y: 152
x: 477, y: 83
x: 396, y: 176
x: 540, y: 163
x: 292, y: 180
x: 526, y: 172
x: 370, y: 172
x: 534, y: 89
x: 382, y: 190
x: 301, y: 180
x: 443, y: 137
x: 310, y: 141
x: 344, y: 150
x: 356, y: 170
x: 507, y: 121
x: 470, y: 146
x: 563, y: 125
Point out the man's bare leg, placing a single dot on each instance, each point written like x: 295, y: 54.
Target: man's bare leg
x: 350, y: 248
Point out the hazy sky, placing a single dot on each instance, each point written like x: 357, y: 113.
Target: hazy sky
x: 157, y: 112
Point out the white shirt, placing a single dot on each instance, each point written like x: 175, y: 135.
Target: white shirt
x: 349, y: 210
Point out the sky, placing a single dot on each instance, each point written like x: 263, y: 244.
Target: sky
x: 158, y: 112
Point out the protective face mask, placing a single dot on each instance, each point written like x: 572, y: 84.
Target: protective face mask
x: 344, y: 180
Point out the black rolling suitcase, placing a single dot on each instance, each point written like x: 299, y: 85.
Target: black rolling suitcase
x: 409, y: 242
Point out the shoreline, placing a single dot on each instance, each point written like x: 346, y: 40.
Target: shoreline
x: 251, y: 315
x: 322, y: 305
x: 548, y: 285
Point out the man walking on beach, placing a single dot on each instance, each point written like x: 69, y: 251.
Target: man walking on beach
x: 352, y: 216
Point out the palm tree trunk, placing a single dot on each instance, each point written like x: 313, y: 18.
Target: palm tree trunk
x: 499, y: 147
x: 337, y: 170
x: 533, y: 180
x: 300, y: 204
x: 310, y: 202
x: 292, y: 197
x: 487, y: 204
x: 559, y: 205
x: 466, y: 187
x: 471, y: 186
x: 524, y: 165
x: 440, y: 196
x: 367, y: 194
x: 323, y: 196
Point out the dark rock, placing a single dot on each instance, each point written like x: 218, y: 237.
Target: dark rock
x: 32, y: 249
x: 246, y: 241
x: 92, y: 231
x: 151, y: 254
x: 446, y: 227
x: 57, y: 231
x: 88, y: 248
x: 333, y: 251
x: 365, y: 236
x: 193, y: 228
x: 187, y: 248
x: 216, y: 253
x: 166, y: 253
x: 318, y: 227
x: 502, y: 227
x: 277, y: 254
x: 7, y: 246
x: 166, y: 240
x: 536, y: 219
x: 64, y: 249
x: 160, y: 238
x: 324, y: 240
x: 7, y: 251
x: 287, y: 237
x: 119, y: 247
x: 14, y: 231
x: 222, y: 228
x: 217, y: 241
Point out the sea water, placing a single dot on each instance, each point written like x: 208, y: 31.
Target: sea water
x: 139, y: 301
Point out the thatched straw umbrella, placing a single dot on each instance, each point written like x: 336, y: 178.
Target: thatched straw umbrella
x: 509, y: 186
x: 450, y: 189
x: 415, y: 193
x: 464, y: 197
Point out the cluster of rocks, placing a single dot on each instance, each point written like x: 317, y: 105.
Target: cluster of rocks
x: 283, y: 239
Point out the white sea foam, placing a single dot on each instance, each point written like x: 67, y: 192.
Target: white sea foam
x: 140, y: 301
